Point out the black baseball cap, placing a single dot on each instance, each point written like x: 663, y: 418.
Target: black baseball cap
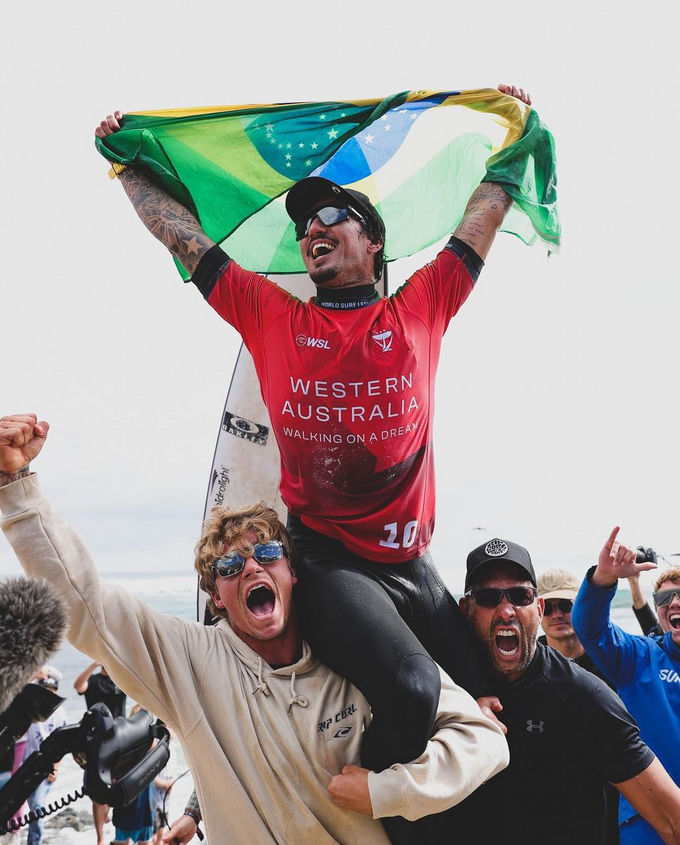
x: 497, y: 551
x: 315, y: 192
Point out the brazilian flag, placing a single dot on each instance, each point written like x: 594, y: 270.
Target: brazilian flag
x: 418, y: 155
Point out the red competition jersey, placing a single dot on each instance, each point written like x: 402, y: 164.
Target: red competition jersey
x: 350, y: 396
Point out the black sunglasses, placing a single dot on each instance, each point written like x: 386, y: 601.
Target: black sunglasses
x: 551, y: 605
x: 662, y: 598
x: 329, y: 215
x: 232, y: 563
x: 493, y: 596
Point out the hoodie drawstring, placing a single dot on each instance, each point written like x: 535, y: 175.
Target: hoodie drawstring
x: 263, y: 688
x: 295, y: 699
x: 262, y: 685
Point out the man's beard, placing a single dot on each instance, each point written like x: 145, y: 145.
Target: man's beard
x: 323, y: 275
x: 527, y: 638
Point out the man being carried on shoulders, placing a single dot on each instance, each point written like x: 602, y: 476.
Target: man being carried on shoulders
x: 353, y: 419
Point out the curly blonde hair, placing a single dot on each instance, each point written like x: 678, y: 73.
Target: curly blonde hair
x: 672, y: 575
x: 224, y: 530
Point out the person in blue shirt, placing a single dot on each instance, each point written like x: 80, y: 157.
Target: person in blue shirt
x: 645, y: 670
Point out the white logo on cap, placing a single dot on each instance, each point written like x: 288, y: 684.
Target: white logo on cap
x: 336, y: 189
x: 496, y: 548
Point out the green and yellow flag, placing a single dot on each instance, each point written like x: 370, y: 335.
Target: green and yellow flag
x: 418, y: 155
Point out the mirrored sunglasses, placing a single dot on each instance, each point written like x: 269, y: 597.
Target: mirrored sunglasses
x: 493, y: 596
x: 329, y: 215
x: 551, y: 605
x: 232, y: 563
x: 662, y: 598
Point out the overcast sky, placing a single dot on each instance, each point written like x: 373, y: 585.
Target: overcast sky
x: 558, y: 392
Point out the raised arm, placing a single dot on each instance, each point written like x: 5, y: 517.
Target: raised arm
x: 617, y: 561
x: 166, y: 219
x: 488, y: 205
x: 643, y: 612
x: 612, y: 649
x: 82, y: 682
x: 107, y: 623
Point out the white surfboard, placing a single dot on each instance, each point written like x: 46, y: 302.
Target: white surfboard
x: 245, y: 465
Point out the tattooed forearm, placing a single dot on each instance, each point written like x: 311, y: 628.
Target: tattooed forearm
x: 483, y: 216
x: 9, y: 477
x: 166, y: 219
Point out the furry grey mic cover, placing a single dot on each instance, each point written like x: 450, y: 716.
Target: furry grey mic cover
x: 32, y: 623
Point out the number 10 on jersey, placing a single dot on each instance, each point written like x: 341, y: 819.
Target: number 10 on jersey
x: 407, y: 536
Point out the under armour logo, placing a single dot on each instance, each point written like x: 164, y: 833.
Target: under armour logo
x: 384, y: 340
x: 534, y: 727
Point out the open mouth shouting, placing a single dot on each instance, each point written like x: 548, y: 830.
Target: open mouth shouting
x: 321, y: 247
x: 261, y: 601
x: 506, y: 641
x: 674, y: 619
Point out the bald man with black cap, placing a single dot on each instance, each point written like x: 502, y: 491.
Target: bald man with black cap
x: 569, y: 734
x: 348, y: 380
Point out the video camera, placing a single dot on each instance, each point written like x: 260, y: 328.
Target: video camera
x: 645, y: 555
x: 118, y: 755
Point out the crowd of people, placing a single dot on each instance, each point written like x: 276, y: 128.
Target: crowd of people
x: 343, y: 695
x: 141, y: 822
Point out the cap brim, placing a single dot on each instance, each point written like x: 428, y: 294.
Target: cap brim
x: 474, y: 575
x: 559, y: 594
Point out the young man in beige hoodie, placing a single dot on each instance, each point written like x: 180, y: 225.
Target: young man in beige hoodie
x: 272, y: 735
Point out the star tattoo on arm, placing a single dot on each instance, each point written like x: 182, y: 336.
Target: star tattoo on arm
x: 167, y: 220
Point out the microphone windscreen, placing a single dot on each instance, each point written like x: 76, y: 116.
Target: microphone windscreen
x: 33, y: 620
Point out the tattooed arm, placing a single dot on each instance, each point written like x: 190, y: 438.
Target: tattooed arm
x: 489, y: 204
x: 166, y: 219
x: 483, y: 216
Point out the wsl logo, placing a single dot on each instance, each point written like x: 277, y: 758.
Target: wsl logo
x: 219, y: 485
x: 384, y: 340
x: 316, y: 342
x: 248, y: 430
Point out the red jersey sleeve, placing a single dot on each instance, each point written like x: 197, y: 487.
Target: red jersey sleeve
x: 437, y: 290
x: 244, y: 299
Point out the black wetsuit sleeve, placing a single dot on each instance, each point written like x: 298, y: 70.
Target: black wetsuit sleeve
x: 646, y: 617
x: 209, y: 270
x: 473, y: 263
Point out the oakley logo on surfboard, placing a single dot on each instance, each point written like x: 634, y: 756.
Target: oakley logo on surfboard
x: 384, y: 340
x: 248, y: 430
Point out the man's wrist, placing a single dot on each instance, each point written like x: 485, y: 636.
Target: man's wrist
x: 602, y: 580
x: 17, y: 475
x: 193, y: 815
